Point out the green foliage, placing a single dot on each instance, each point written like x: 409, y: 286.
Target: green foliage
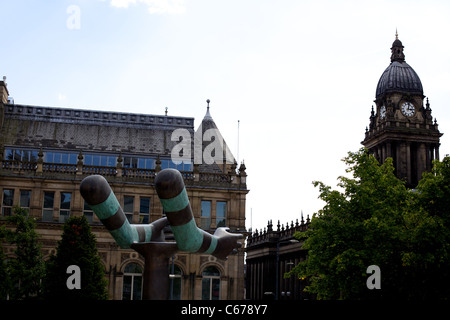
x: 5, y: 283
x: 26, y: 269
x: 76, y: 247
x: 426, y: 257
x: 376, y: 220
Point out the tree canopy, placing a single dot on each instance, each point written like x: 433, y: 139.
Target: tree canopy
x: 373, y: 219
x: 77, y: 247
x: 21, y: 276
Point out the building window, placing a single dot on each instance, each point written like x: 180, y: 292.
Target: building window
x: 7, y: 203
x: 88, y: 213
x: 47, y: 210
x: 205, y: 219
x: 132, y: 282
x: 108, y: 161
x: 128, y: 207
x: 144, y: 211
x: 25, y: 198
x: 100, y: 160
x: 164, y: 164
x: 21, y: 155
x: 179, y: 165
x: 210, y: 284
x: 175, y: 278
x: 64, y: 208
x: 130, y: 162
x: 145, y: 163
x: 221, y: 211
x: 61, y: 157
x: 187, y: 166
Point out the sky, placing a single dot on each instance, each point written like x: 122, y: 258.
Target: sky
x: 291, y: 82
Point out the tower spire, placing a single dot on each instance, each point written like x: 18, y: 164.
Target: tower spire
x: 207, y: 115
x: 397, y: 50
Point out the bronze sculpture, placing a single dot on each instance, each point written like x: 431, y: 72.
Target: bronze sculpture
x: 149, y: 240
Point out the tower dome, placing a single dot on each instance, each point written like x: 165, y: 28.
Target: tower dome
x: 401, y: 127
x: 398, y: 76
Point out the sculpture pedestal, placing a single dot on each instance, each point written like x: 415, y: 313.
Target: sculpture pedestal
x: 156, y: 270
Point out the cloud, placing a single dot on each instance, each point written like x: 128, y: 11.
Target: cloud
x: 154, y: 6
x: 61, y: 97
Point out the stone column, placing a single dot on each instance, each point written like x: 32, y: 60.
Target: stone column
x: 429, y: 156
x: 408, y: 161
x: 421, y: 160
x: 401, y: 165
x: 388, y: 150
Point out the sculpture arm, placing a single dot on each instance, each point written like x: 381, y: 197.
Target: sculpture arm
x: 174, y: 199
x: 100, y: 197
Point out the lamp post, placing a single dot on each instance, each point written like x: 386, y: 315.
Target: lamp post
x: 277, y: 284
x: 171, y: 276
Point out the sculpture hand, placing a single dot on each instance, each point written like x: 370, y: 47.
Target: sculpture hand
x: 227, y: 243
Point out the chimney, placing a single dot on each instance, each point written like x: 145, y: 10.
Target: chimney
x: 4, y: 91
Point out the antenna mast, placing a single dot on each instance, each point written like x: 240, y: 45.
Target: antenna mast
x: 237, y: 154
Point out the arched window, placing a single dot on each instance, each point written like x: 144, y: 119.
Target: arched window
x: 132, y: 282
x: 175, y: 279
x: 210, y: 283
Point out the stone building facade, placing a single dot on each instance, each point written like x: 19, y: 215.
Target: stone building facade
x: 267, y: 249
x: 46, y: 152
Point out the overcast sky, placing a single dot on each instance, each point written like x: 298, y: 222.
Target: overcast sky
x: 300, y: 76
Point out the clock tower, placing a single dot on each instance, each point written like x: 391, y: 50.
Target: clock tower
x: 401, y: 125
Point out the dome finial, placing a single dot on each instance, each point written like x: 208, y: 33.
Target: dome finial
x: 397, y: 50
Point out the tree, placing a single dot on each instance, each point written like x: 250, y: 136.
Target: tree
x: 77, y: 247
x: 426, y: 258
x: 26, y: 269
x: 376, y: 220
x: 5, y: 283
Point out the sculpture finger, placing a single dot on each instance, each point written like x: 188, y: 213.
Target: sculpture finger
x: 157, y: 229
x: 159, y: 224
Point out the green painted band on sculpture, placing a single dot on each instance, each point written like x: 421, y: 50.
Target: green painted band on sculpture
x: 107, y: 208
x: 188, y: 237
x: 125, y: 236
x: 212, y: 246
x: 176, y: 203
x: 148, y: 233
x: 146, y: 228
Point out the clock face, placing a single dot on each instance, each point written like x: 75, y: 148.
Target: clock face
x: 408, y: 109
x: 382, y: 112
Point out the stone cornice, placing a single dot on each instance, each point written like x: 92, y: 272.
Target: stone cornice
x: 95, y: 117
